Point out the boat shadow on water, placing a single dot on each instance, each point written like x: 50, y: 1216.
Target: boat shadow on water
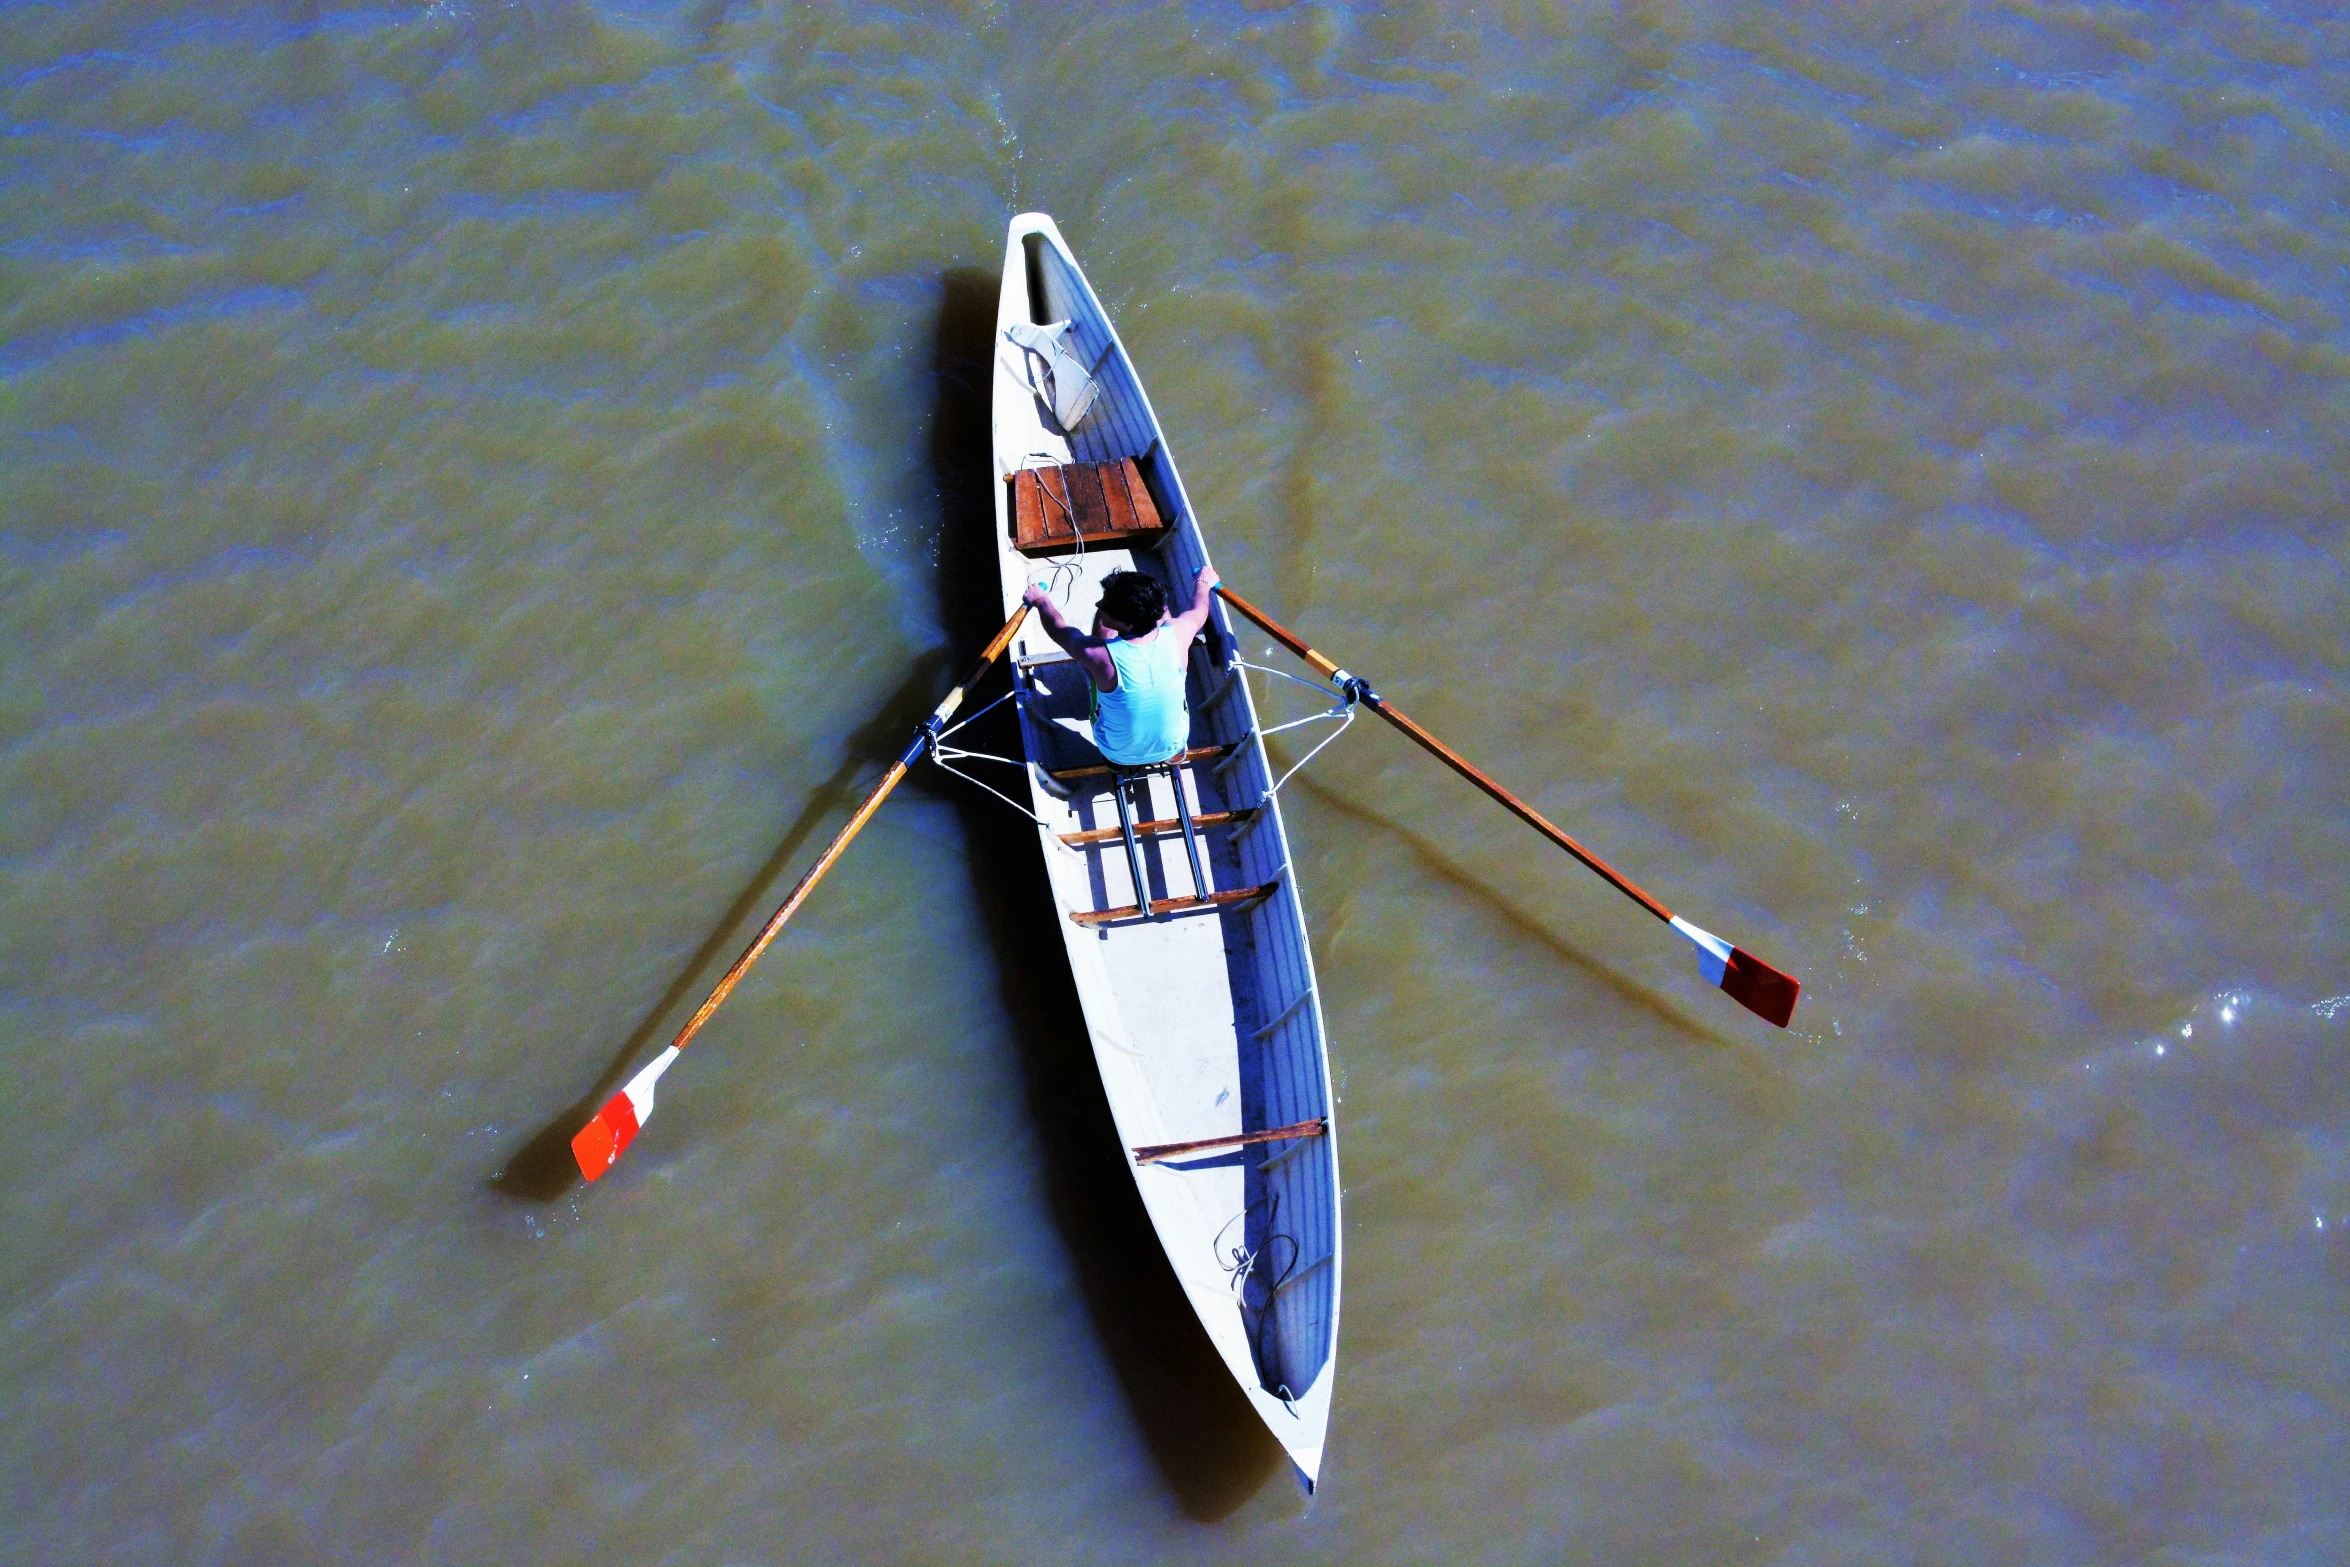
x: 1211, y: 1447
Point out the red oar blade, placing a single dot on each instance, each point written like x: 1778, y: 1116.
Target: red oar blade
x: 1760, y: 988
x: 600, y: 1143
x: 1745, y: 978
x: 605, y: 1137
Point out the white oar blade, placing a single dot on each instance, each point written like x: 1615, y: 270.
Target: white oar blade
x: 1743, y: 977
x: 600, y: 1143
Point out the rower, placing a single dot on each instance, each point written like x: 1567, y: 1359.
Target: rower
x: 1137, y: 657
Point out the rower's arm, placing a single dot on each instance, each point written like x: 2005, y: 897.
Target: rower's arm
x: 1090, y: 649
x: 1203, y: 593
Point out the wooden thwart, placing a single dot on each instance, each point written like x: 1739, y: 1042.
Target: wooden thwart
x: 1078, y: 840
x: 1214, y: 900
x: 1056, y: 510
x: 1196, y: 754
x: 1299, y: 1129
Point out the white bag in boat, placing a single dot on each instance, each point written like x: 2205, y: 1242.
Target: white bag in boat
x: 1054, y: 373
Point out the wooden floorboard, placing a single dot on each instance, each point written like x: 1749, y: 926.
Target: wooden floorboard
x: 1173, y: 824
x: 1214, y: 900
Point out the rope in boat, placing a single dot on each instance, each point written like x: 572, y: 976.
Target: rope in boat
x: 1243, y: 1268
x: 947, y: 755
x: 1243, y: 1265
x: 1062, y: 572
x: 1347, y: 707
x: 1349, y: 704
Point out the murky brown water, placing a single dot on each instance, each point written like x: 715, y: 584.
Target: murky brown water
x: 480, y: 485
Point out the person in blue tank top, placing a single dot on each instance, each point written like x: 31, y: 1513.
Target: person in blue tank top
x: 1136, y: 655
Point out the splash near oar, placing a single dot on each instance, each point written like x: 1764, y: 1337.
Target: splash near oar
x: 1745, y: 978
x: 602, y: 1141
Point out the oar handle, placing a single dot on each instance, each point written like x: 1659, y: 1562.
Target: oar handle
x: 1446, y: 754
x: 1278, y: 632
x: 925, y: 733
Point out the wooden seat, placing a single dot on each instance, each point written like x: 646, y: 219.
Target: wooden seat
x: 1105, y: 505
x: 1198, y: 753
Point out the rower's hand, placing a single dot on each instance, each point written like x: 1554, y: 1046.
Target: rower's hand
x: 1207, y: 580
x: 1036, y: 597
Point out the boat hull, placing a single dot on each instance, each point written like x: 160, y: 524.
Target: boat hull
x: 1206, y: 1021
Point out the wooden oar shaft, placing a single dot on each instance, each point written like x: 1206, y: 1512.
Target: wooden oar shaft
x: 1451, y: 758
x: 856, y: 824
x: 791, y: 905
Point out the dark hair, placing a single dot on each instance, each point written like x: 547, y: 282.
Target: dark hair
x: 1132, y: 601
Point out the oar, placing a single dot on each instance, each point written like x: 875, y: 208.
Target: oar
x: 1749, y: 981
x: 603, y: 1139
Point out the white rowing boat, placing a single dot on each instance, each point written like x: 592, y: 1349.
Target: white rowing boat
x: 1197, y: 984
